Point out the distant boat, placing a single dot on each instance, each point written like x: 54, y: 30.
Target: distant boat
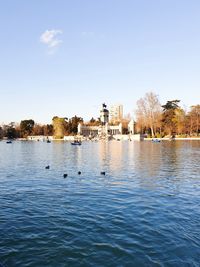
x: 48, y: 141
x: 76, y: 143
x: 9, y: 142
x: 155, y: 140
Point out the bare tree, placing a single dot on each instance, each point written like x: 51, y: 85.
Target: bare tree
x: 148, y: 112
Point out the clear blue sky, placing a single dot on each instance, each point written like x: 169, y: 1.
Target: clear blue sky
x: 66, y: 57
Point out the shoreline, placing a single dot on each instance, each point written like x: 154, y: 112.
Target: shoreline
x: 175, y: 139
x: 145, y: 139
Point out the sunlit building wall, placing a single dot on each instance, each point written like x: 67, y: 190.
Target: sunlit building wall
x: 116, y: 112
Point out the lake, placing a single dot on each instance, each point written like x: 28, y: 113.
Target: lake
x: 145, y: 211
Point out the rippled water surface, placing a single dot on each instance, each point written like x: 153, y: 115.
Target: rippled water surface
x: 144, y: 212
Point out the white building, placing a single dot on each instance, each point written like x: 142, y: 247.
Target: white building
x: 99, y: 131
x: 116, y: 112
x: 131, y: 127
x: 104, y: 129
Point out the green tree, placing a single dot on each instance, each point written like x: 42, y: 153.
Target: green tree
x: 169, y: 119
x: 10, y: 131
x: 1, y: 132
x: 59, y: 127
x: 171, y: 105
x: 48, y: 129
x: 94, y: 122
x: 72, y: 126
x: 26, y: 127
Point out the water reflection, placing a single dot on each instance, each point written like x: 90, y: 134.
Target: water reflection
x: 116, y: 156
x: 144, y: 211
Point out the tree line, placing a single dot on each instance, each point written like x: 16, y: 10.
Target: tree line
x: 28, y: 127
x: 169, y: 119
x: 151, y: 118
x: 65, y: 126
x: 24, y: 129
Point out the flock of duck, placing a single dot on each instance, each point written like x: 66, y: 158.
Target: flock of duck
x: 79, y: 172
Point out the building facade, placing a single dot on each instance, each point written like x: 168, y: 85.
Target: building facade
x: 101, y: 131
x: 116, y: 113
x: 104, y: 130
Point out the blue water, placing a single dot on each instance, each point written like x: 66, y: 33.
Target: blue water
x: 144, y: 212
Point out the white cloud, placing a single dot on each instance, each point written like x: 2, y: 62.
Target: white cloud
x: 49, y: 37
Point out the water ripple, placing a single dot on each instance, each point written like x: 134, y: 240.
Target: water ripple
x: 143, y: 212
